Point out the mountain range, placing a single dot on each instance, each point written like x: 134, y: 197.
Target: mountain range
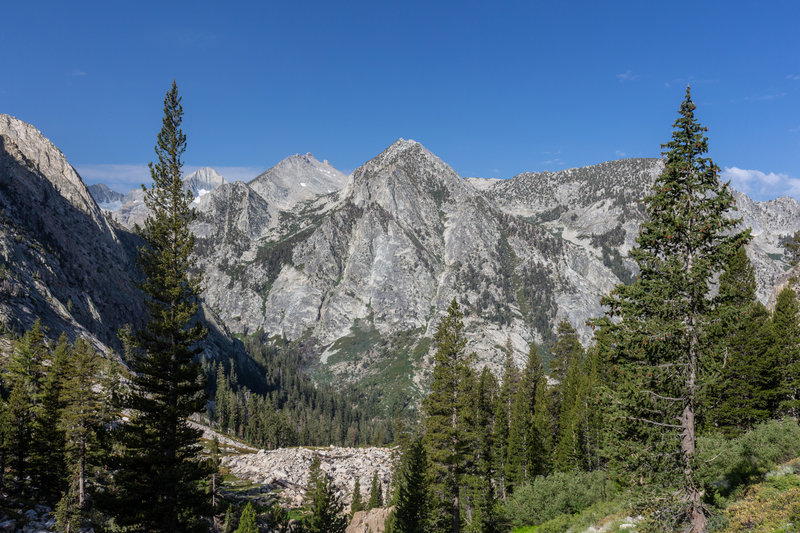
x: 355, y: 271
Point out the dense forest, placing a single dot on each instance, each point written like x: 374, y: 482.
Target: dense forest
x: 687, y: 396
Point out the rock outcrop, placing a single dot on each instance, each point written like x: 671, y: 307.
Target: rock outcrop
x: 372, y: 521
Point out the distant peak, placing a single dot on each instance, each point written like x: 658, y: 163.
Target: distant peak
x: 404, y: 143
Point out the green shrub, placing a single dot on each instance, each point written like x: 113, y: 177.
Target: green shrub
x: 727, y: 465
x: 559, y: 493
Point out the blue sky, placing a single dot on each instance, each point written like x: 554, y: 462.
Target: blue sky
x: 493, y: 88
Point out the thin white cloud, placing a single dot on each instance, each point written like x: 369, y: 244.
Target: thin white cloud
x: 794, y: 130
x: 762, y: 185
x: 495, y: 171
x: 795, y: 77
x: 620, y: 153
x: 76, y: 73
x: 763, y: 97
x: 628, y: 75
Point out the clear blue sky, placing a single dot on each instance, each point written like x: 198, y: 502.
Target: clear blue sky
x: 493, y: 88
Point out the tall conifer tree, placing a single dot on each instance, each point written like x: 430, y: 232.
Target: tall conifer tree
x: 502, y: 412
x: 324, y: 510
x: 413, y: 498
x: 742, y: 386
x: 530, y: 427
x: 47, y: 462
x: 662, y: 343
x: 375, y: 493
x: 25, y: 376
x: 82, y: 421
x: 446, y: 407
x: 157, y: 484
x: 568, y: 398
x: 787, y: 338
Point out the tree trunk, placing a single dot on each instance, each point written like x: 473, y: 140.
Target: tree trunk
x: 692, y: 493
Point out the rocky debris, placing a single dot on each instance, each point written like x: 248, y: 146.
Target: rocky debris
x: 629, y: 522
x: 286, y: 469
x: 372, y: 521
x: 38, y: 519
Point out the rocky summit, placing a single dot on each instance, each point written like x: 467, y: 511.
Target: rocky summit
x: 357, y: 270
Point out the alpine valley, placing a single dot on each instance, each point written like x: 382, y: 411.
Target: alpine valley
x: 353, y: 271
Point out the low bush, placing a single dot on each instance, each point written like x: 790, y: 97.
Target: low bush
x: 559, y: 493
x: 728, y: 465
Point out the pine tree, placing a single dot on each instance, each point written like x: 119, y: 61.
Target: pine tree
x: 158, y: 480
x: 568, y: 398
x: 25, y: 376
x: 530, y: 425
x: 48, y: 468
x: 227, y: 524
x: 81, y: 421
x: 735, y: 301
x: 566, y: 349
x: 356, y: 505
x: 445, y: 428
x: 375, y: 493
x: 741, y: 387
x: 748, y: 391
x: 786, y: 328
x: 413, y: 499
x: 502, y: 412
x: 324, y: 510
x: 662, y: 343
x: 481, y: 476
x: 213, y: 465
x: 247, y: 520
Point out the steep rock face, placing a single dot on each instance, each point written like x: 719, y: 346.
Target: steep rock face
x: 62, y: 260
x: 365, y: 274
x: 296, y: 179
